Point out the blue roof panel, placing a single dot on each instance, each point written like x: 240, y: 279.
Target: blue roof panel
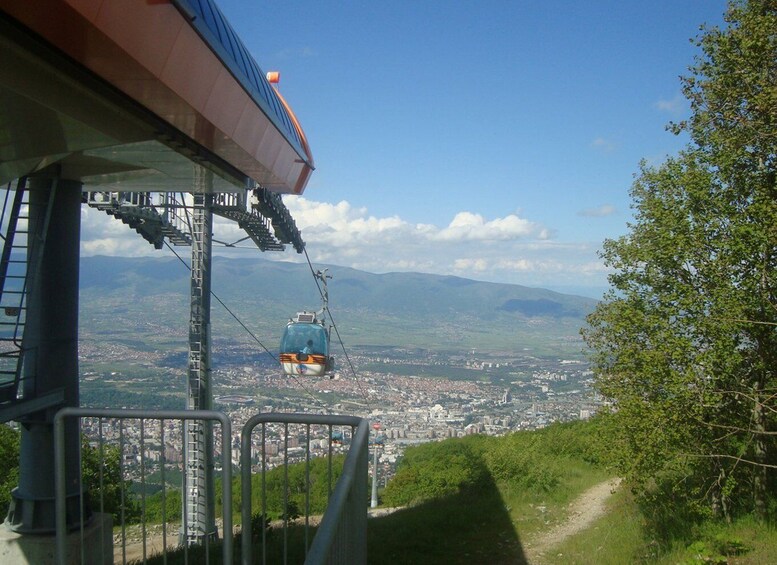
x: 214, y: 28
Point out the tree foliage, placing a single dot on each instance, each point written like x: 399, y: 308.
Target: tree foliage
x: 289, y: 491
x: 436, y: 470
x: 9, y: 465
x: 101, y: 475
x: 685, y: 342
x: 107, y: 491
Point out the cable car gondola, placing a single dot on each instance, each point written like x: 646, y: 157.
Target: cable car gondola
x: 305, y: 342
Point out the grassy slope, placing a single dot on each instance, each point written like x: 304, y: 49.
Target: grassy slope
x: 487, y: 527
x: 492, y: 523
x: 492, y: 526
x: 465, y: 529
x: 619, y: 538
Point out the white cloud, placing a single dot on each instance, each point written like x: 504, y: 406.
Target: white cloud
x: 508, y: 249
x: 104, y: 235
x: 468, y: 264
x: 340, y: 224
x: 600, y: 212
x: 676, y: 105
x: 117, y: 246
x: 467, y: 226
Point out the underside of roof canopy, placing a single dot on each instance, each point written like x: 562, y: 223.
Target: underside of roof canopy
x: 141, y: 96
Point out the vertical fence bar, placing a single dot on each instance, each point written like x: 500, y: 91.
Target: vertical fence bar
x: 264, y: 493
x: 143, y: 484
x: 246, y: 532
x: 162, y: 460
x: 226, y: 486
x: 285, y: 492
x: 81, y: 503
x: 329, y: 464
x: 59, y: 490
x: 307, y: 485
x: 183, y: 529
x: 101, y: 472
x: 121, y: 491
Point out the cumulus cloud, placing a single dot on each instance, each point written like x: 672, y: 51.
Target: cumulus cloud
x: 510, y: 249
x: 469, y: 264
x: 467, y: 226
x: 506, y: 249
x: 341, y: 224
x: 104, y: 235
x: 600, y: 212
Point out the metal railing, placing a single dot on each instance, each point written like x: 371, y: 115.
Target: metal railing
x: 149, y: 454
x: 141, y: 452
x: 342, y: 534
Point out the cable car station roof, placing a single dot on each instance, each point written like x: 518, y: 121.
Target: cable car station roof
x: 141, y: 96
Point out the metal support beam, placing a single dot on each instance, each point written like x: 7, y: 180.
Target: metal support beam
x: 51, y: 354
x: 374, y: 498
x: 199, y: 500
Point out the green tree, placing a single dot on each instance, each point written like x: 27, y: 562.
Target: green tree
x: 9, y: 465
x: 107, y: 490
x: 685, y: 342
x: 289, y: 491
x: 435, y: 470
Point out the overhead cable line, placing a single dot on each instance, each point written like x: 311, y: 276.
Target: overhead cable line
x: 334, y: 326
x: 213, y: 294
x: 256, y: 339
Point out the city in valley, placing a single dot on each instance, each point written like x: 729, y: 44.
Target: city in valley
x: 411, y: 395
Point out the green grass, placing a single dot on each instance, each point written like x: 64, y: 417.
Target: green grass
x: 462, y: 528
x: 468, y: 528
x: 532, y: 512
x: 619, y: 537
x: 479, y: 519
x: 488, y: 525
x: 743, y: 542
x: 614, y: 539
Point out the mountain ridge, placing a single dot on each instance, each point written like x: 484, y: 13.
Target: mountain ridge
x: 401, y: 309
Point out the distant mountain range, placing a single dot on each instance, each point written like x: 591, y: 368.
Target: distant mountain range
x: 393, y: 309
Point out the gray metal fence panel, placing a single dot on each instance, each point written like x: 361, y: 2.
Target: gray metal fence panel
x: 341, y: 535
x: 133, y: 414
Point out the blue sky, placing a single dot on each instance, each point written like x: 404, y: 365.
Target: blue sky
x: 493, y: 140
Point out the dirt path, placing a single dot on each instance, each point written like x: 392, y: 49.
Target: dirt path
x: 582, y: 513
x: 133, y: 550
